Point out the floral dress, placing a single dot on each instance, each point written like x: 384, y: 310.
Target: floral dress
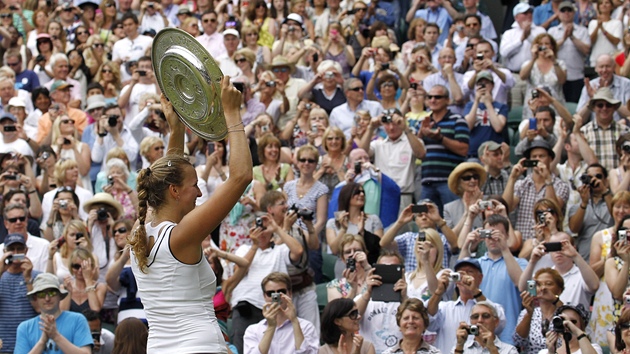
x: 234, y: 230
x: 129, y: 211
x: 535, y: 342
x: 602, y: 317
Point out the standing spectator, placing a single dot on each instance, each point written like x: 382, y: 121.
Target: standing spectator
x: 143, y: 81
x: 605, y: 32
x: 463, y: 51
x: 132, y: 47
x: 113, y: 133
x: 574, y: 45
x: 491, y: 156
x: 547, y: 15
x: 502, y: 78
x: 545, y: 118
x: 448, y: 78
x: 434, y: 12
x: 343, y: 115
x: 15, y: 216
x: 24, y: 79
x: 153, y: 17
x: 211, y: 39
x: 618, y: 85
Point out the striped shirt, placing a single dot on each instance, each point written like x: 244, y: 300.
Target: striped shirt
x: 439, y: 161
x: 14, y: 307
x: 602, y: 141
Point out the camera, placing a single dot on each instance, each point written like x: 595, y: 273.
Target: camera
x: 482, y: 85
x: 270, y: 84
x: 626, y: 300
x: 485, y: 204
x: 141, y: 72
x: 239, y: 86
x: 542, y: 48
x: 622, y: 235
x: 357, y: 168
x: 112, y: 120
x: 264, y: 128
x: 413, y: 85
x: 110, y: 180
x: 14, y: 257
x: 485, y: 233
x: 10, y: 128
x: 557, y: 324
x: 150, y: 4
x: 66, y: 141
x: 351, y: 12
x: 12, y: 177
x: 308, y: 106
x: 102, y: 214
x: 626, y: 147
x: 96, y: 336
x: 422, y: 236
x: 541, y: 217
x: 314, y: 128
x: 259, y: 223
x: 40, y: 58
x: 535, y: 93
x: 305, y: 214
x: 329, y: 75
x: 351, y: 264
x: 276, y: 297
x: 385, y: 66
x: 531, y: 287
x: 459, y: 28
x: 13, y: 8
x: 78, y: 235
x: 530, y: 163
x: 586, y: 180
x: 291, y: 29
x: 386, y: 119
x: 455, y: 277
x: 480, y: 56
x: 473, y: 330
x: 45, y: 155
x: 63, y: 204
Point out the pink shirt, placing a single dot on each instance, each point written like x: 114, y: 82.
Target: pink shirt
x: 213, y: 44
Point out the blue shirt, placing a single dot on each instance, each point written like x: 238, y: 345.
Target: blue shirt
x: 26, y: 80
x: 406, y: 243
x: 14, y: 307
x: 483, y: 131
x: 439, y: 17
x: 71, y: 325
x: 542, y: 13
x: 498, y: 287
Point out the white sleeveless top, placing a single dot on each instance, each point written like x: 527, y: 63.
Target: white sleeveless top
x: 177, y: 299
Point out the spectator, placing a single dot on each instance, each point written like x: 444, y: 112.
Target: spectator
x: 103, y: 338
x: 16, y: 279
x: 491, y: 157
x: 65, y: 209
x: 420, y: 65
x: 388, y: 88
x: 473, y: 30
x: 574, y: 45
x: 339, y: 333
x: 153, y: 17
x: 31, y: 200
x: 500, y: 269
x: 485, y: 316
x: 620, y: 176
x: 24, y: 79
x: 131, y: 337
x: 67, y: 331
x: 8, y: 91
x: 15, y: 216
x: 545, y: 119
x: 343, y: 116
x: 618, y: 86
x: 11, y: 140
x: 272, y: 173
x: 337, y: 50
x: 290, y: 36
x: 66, y: 143
x: 301, y: 336
x: 60, y: 95
x: 117, y: 176
x: 113, y: 132
x: 502, y: 78
x: 283, y: 69
x: 449, y: 79
x: 416, y: 37
x: 102, y: 210
x: 433, y: 10
x: 465, y: 181
x: 326, y: 87
x: 132, y: 47
x: 547, y: 15
x: 85, y: 292
x: 413, y: 319
x: 331, y: 13
x: 231, y: 40
x: 575, y: 319
x: 60, y: 65
x: 143, y: 81
x: 524, y: 193
x: 108, y: 76
x: 605, y: 32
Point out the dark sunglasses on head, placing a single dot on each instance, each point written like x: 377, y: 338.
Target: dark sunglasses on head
x: 68, y: 9
x: 120, y: 230
x: 353, y: 315
x: 307, y: 160
x: 469, y: 177
x: 268, y: 293
x: 105, y: 71
x: 14, y: 220
x: 549, y: 210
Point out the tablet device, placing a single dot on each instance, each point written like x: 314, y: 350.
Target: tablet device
x: 390, y: 274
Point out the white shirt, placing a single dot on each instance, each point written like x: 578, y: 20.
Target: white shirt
x: 37, y: 252
x: 378, y: 324
x: 155, y: 22
x: 126, y: 50
x: 134, y: 98
x: 568, y: 52
x: 47, y: 202
x: 575, y: 290
x: 283, y: 338
x: 213, y: 44
x: 500, y: 90
x: 395, y: 158
x: 514, y: 51
x: 19, y: 146
x: 100, y: 149
x: 343, y: 117
x: 603, y: 45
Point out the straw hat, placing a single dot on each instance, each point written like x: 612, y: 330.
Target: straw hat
x: 453, y: 178
x: 104, y: 198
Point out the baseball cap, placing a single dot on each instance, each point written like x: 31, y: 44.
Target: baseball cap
x: 468, y: 261
x: 232, y: 32
x: 521, y: 8
x: 14, y: 238
x: 59, y: 85
x: 489, y: 146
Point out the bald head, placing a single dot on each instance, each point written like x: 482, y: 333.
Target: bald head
x: 447, y: 56
x: 605, y: 66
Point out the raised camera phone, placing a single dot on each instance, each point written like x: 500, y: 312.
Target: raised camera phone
x: 385, y: 66
x: 63, y: 204
x: 531, y: 287
x: 473, y: 330
x: 239, y: 86
x: 210, y: 148
x: 413, y: 85
x: 626, y: 146
x: 535, y: 93
x: 329, y: 75
x: 419, y: 209
x: 455, y: 277
x: 308, y: 106
x: 386, y: 119
x: 314, y: 128
x: 10, y: 128
x: 530, y: 163
x: 110, y: 180
x: 626, y: 300
x: 622, y: 235
x: 11, y: 177
x: 351, y: 264
x: 542, y: 48
x: 61, y: 242
x: 259, y: 223
x: 484, y: 233
x: 533, y: 124
x: 96, y: 336
x: 485, y: 205
x: 422, y: 236
x: 552, y: 246
x: 78, y: 235
x: 141, y: 72
x: 14, y: 257
x: 357, y: 168
x: 480, y: 56
x: 351, y: 12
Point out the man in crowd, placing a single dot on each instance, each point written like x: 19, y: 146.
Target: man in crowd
x: 618, y: 86
x: 152, y: 17
x: 283, y: 69
x: 485, y: 316
x: 433, y: 12
x: 15, y: 220
x: 343, y: 115
x: 142, y: 81
x: 211, y: 39
x: 53, y: 330
x: 113, y: 132
x: 231, y: 40
x: 501, y: 271
x: 448, y: 78
x: 24, y: 79
x: 502, y: 78
x: 60, y: 65
x: 546, y: 15
x: 545, y: 118
x: 103, y: 338
x: 472, y: 22
x: 540, y: 183
x: 491, y: 157
x: 60, y: 96
x: 8, y: 91
x: 11, y: 140
x: 281, y: 329
x: 130, y: 48
x: 16, y: 279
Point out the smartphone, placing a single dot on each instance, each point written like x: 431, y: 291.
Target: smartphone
x: 534, y: 93
x: 385, y: 66
x: 10, y: 128
x: 61, y: 241
x: 141, y: 73
x: 530, y: 163
x: 357, y: 168
x: 413, y: 85
x: 65, y: 141
x: 419, y: 209
x: 315, y: 57
x: 533, y: 124
x: 622, y: 235
x: 239, y: 86
x: 210, y: 148
x: 110, y: 180
x: 553, y: 246
x: 422, y: 236
x: 531, y: 287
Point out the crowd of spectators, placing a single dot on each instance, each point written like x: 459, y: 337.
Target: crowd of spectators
x: 425, y: 179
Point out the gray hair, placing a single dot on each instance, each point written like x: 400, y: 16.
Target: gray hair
x: 14, y: 206
x: 56, y: 57
x: 327, y: 65
x: 116, y: 162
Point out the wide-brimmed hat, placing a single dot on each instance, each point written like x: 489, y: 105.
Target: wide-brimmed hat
x: 539, y: 144
x: 453, y: 178
x: 45, y: 281
x: 95, y: 101
x: 104, y: 198
x: 604, y: 94
x: 281, y: 61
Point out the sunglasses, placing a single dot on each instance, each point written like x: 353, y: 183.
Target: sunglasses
x: 353, y: 315
x: 303, y: 160
x: 551, y: 211
x: 566, y: 9
x: 331, y: 138
x: 624, y: 325
x: 158, y: 148
x: 120, y: 230
x: 598, y: 176
x: 49, y: 293
x: 14, y: 220
x: 6, y: 16
x: 66, y: 121
x: 110, y: 4
x: 76, y: 266
x: 603, y: 105
x: 82, y: 33
x: 356, y: 89
x: 437, y: 97
x: 98, y: 45
x: 106, y: 71
x: 358, y: 191
x: 68, y: 9
x: 260, y: 5
x: 485, y: 316
x: 242, y: 60
x: 269, y: 292
x: 387, y: 84
x: 13, y: 64
x: 469, y: 177
x: 206, y: 20
x: 280, y: 70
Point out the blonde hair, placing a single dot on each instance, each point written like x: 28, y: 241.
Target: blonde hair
x: 334, y: 131
x: 348, y: 239
x: 306, y: 149
x: 78, y: 225
x: 60, y: 169
x: 433, y: 237
x: 118, y: 153
x: 56, y: 131
x: 153, y: 183
x: 328, y: 65
x: 248, y: 54
x: 84, y: 255
x: 147, y: 143
x: 115, y: 73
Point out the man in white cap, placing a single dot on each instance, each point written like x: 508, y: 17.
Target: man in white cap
x: 54, y: 330
x: 231, y: 39
x: 211, y: 39
x: 291, y: 32
x: 516, y: 46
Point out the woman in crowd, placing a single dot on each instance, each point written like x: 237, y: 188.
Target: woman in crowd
x: 413, y: 320
x: 361, y: 123
x: 300, y: 7
x: 64, y: 210
x: 109, y: 77
x: 94, y: 54
x: 601, y: 243
x: 258, y: 16
x: 336, y: 49
x: 102, y: 178
x: 605, y: 32
x: 191, y: 25
x: 270, y: 88
x: 326, y: 88
x: 548, y: 221
x: 318, y: 121
x: 332, y: 168
x: 67, y: 144
x: 340, y: 325
x: 622, y: 337
x: 81, y: 35
x: 78, y: 70
x: 151, y: 149
x: 585, y: 12
x: 351, y: 219
x: 117, y: 176
x: 388, y: 88
x: 250, y: 35
x: 423, y: 281
x: 465, y: 182
x: 620, y: 177
x: 307, y: 192
x: 616, y: 271
x: 215, y: 171
x: 297, y: 129
x: 574, y: 323
x: 38, y: 63
x: 46, y: 160
x: 40, y: 97
x: 120, y: 278
x: 544, y: 68
x: 279, y: 11
x: 245, y: 59
x: 529, y: 335
x: 415, y: 33
x: 85, y: 291
x: 352, y: 282
x: 40, y: 19
x: 74, y: 235
x: 108, y: 8
x: 58, y: 36
x: 169, y: 188
x: 272, y: 173
x: 131, y: 337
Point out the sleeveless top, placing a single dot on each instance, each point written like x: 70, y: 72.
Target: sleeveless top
x: 79, y: 308
x: 61, y: 269
x: 177, y: 296
x: 275, y: 184
x: 342, y: 59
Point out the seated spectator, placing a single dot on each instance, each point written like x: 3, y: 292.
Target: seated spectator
x: 131, y: 336
x: 413, y: 320
x: 485, y: 317
x: 11, y: 140
x: 103, y: 338
x: 60, y: 95
x: 151, y: 149
x: 66, y: 176
x: 117, y: 176
x: 338, y: 50
x: 340, y: 324
x: 101, y: 177
x: 283, y: 69
x: 102, y: 210
x: 388, y: 87
x: 109, y: 77
x: 618, y: 86
x: 82, y: 285
x: 66, y: 142
x: 273, y: 96
x: 272, y: 173
x: 326, y: 87
x: 278, y: 309
x: 465, y: 181
x: 113, y: 133
x: 31, y: 201
x: 54, y: 328
x: 422, y: 281
x: 15, y: 216
x: 130, y: 48
x: 466, y: 54
x: 40, y: 98
x: 575, y: 319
